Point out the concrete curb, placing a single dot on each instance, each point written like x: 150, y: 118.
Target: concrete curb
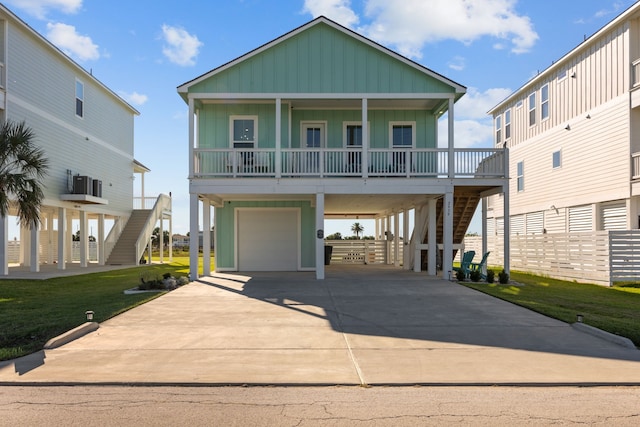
x: 71, y: 335
x: 616, y: 339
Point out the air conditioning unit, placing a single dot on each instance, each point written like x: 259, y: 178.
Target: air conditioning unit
x: 82, y: 184
x: 97, y: 188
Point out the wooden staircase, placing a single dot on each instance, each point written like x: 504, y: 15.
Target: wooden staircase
x: 464, y: 206
x: 124, y: 252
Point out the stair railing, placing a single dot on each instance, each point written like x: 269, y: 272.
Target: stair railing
x: 161, y: 206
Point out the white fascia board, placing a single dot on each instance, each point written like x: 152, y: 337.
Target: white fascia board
x: 340, y: 95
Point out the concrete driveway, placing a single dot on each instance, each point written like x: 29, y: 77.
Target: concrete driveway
x: 361, y: 325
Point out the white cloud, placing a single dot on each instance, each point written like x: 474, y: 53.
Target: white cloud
x: 458, y: 63
x: 409, y: 24
x: 39, y: 8
x: 134, y: 98
x: 69, y: 41
x: 337, y: 10
x: 472, y: 126
x: 475, y: 104
x: 181, y: 47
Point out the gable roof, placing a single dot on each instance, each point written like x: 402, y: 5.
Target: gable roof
x: 458, y: 88
x: 64, y: 57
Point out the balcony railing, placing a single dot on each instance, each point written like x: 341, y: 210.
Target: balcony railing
x: 635, y: 166
x: 304, y: 162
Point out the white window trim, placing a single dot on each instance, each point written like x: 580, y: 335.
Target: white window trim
x: 75, y: 106
x: 255, y: 129
x: 530, y: 109
x: 403, y: 123
x: 314, y: 122
x: 519, y: 104
x: 519, y: 176
x: 562, y: 75
x: 542, y: 102
x: 507, y: 124
x: 498, y: 129
x: 560, y: 165
x: 352, y: 123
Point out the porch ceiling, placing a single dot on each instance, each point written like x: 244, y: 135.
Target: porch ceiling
x: 339, y: 104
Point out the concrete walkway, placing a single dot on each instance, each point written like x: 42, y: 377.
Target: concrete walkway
x: 371, y: 325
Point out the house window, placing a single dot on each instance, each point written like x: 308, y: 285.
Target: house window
x: 519, y: 104
x: 557, y: 159
x: 498, y: 129
x: 79, y: 99
x: 532, y: 109
x: 401, y: 135
x: 562, y: 75
x: 544, y: 102
x: 520, y: 175
x: 353, y: 135
x: 243, y: 131
x: 507, y: 124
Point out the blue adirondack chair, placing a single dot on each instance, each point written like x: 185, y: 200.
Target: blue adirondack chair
x: 465, y: 264
x: 481, y: 266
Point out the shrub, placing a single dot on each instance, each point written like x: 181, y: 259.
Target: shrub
x: 491, y: 276
x: 460, y: 276
x: 503, y: 277
x: 475, y: 275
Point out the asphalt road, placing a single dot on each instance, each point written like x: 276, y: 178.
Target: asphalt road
x: 318, y: 406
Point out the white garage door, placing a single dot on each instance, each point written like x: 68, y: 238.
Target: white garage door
x: 268, y: 239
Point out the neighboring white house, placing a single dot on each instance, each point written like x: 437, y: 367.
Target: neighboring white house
x: 325, y: 123
x: 86, y: 132
x: 573, y: 134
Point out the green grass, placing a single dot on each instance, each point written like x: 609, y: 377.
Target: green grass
x: 615, y: 309
x: 34, y: 311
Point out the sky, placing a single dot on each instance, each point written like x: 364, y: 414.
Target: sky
x: 144, y: 49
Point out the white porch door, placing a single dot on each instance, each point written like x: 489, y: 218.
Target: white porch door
x: 313, y: 138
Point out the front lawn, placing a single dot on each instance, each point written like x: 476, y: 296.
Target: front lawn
x: 615, y: 309
x: 34, y: 311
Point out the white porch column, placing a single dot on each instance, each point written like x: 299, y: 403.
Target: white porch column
x: 4, y: 248
x: 507, y: 230
x: 365, y: 139
x: 447, y: 247
x: 84, y: 239
x: 396, y: 239
x: 485, y: 244
x: 25, y: 246
x: 319, y: 236
x: 49, y: 225
x: 100, y: 239
x: 62, y: 238
x: 278, y: 159
x: 406, y: 252
x: 193, y: 236
x: 431, y: 239
x: 377, y: 235
x: 388, y: 240
x: 206, y: 237
x: 161, y: 239
x: 191, y: 140
x: 69, y: 238
x: 451, y: 154
x: 34, y: 257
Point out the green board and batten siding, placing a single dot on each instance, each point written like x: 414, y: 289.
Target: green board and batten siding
x: 321, y: 59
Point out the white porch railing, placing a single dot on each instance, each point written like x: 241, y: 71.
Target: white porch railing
x: 162, y: 205
x: 348, y: 162
x: 635, y: 73
x: 145, y: 202
x: 635, y: 166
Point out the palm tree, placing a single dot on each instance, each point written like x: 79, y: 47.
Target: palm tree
x: 357, y: 228
x: 23, y: 167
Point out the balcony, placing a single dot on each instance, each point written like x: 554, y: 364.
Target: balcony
x: 327, y: 163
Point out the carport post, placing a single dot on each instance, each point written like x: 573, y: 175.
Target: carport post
x: 319, y: 236
x: 193, y: 237
x: 447, y: 235
x: 206, y: 237
x: 4, y: 253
